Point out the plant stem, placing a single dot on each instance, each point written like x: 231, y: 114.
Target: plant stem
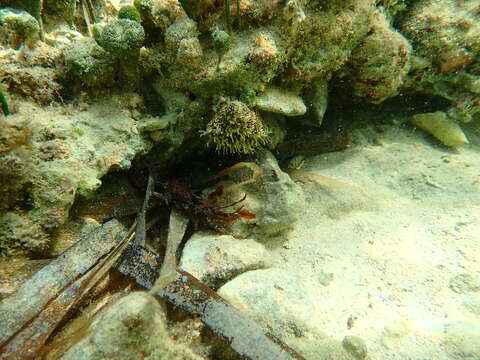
x: 239, y: 24
x: 228, y: 17
x: 4, y: 104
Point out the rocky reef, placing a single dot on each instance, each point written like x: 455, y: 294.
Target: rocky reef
x: 191, y: 76
x: 99, y: 87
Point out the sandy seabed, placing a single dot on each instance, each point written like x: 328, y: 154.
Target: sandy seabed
x: 386, y: 240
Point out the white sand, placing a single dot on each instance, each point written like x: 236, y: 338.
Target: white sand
x: 393, y: 244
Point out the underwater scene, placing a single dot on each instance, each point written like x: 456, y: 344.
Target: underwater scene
x: 240, y: 179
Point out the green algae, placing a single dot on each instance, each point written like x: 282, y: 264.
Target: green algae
x: 4, y: 104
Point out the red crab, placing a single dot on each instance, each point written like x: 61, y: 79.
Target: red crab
x: 203, y: 213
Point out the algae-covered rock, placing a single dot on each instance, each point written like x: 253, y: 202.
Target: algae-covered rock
x: 144, y: 7
x: 17, y: 26
x: 441, y: 127
x: 380, y: 62
x: 446, y: 39
x: 166, y: 12
x: 355, y: 346
x: 134, y: 327
x: 62, y: 156
x: 32, y: 74
x: 89, y: 62
x: 18, y: 234
x: 129, y: 12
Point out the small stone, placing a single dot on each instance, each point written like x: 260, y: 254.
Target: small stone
x: 325, y: 278
x: 442, y: 127
x: 355, y: 346
x: 215, y: 259
x: 276, y: 200
x: 157, y: 123
x: 318, y: 100
x: 465, y: 283
x: 281, y: 102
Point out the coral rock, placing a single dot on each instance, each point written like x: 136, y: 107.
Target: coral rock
x: 381, y: 62
x: 281, y: 102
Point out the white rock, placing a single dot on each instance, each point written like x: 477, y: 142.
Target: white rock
x: 278, y: 300
x: 215, y: 259
x: 281, y: 101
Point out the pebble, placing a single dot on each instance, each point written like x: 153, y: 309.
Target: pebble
x: 355, y: 346
x: 465, y: 283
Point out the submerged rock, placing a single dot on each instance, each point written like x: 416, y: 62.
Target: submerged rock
x: 215, y: 259
x: 134, y: 327
x: 17, y: 26
x: 61, y: 156
x: 281, y: 102
x: 277, y: 299
x: 355, y: 346
x: 442, y: 127
x: 396, y: 333
x: 465, y: 283
x: 275, y: 199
